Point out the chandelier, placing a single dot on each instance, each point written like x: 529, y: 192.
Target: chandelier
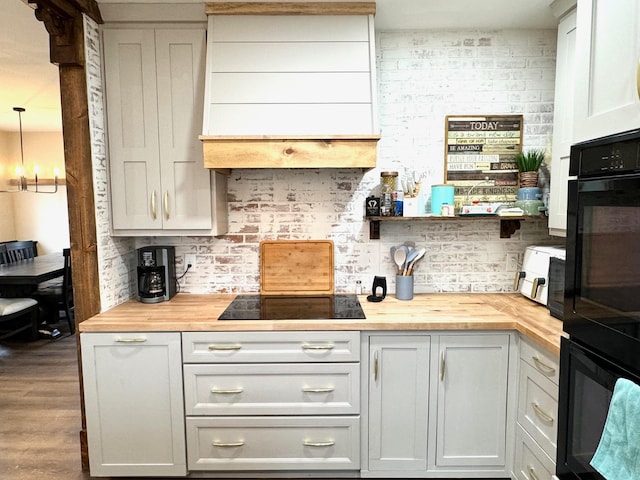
x: 20, y: 170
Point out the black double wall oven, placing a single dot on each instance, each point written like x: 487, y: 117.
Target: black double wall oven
x: 602, y: 294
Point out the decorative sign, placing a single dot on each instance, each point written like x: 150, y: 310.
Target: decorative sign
x: 479, y: 157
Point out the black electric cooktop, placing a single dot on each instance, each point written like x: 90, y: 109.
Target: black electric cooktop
x: 294, y: 307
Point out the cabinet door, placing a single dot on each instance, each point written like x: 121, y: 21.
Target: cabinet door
x: 398, y: 402
x: 562, y: 124
x: 186, y: 184
x: 132, y: 121
x: 472, y: 400
x: 134, y: 406
x: 607, y: 53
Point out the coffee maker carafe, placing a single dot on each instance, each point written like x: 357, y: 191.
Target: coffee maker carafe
x: 156, y: 274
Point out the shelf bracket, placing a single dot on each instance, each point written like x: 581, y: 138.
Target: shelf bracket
x: 374, y: 230
x: 508, y: 227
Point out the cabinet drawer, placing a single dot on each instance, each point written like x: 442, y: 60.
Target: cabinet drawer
x: 544, y: 362
x: 272, y: 389
x: 538, y: 407
x: 245, y: 347
x: 273, y: 443
x: 531, y: 462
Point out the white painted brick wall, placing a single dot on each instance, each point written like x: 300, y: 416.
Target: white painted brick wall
x: 423, y: 76
x: 115, y: 255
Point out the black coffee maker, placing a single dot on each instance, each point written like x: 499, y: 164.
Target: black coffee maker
x: 156, y: 274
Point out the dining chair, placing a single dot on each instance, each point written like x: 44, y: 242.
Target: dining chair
x: 21, y: 250
x: 14, y: 312
x: 57, y: 295
x: 4, y: 256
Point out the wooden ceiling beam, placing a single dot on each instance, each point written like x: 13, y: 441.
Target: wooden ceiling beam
x: 63, y: 21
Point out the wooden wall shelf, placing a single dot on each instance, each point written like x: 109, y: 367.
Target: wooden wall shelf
x: 508, y: 225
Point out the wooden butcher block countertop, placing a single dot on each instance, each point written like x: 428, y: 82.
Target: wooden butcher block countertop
x: 437, y: 311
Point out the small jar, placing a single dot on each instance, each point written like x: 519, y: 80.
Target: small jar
x: 389, y: 178
x: 388, y: 181
x: 358, y: 287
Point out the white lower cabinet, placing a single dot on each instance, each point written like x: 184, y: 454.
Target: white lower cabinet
x: 531, y: 462
x: 272, y: 401
x: 274, y: 443
x: 471, y: 398
x: 398, y: 389
x: 134, y: 405
x: 439, y: 405
x: 536, y: 429
x: 435, y: 405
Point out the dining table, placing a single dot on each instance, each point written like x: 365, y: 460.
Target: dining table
x: 22, y: 278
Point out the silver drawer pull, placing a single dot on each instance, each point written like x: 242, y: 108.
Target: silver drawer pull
x: 543, y: 367
x: 318, y: 389
x: 532, y: 474
x: 225, y: 347
x: 326, y: 346
x: 131, y: 340
x: 228, y: 391
x: 227, y: 445
x: 309, y: 443
x: 540, y: 413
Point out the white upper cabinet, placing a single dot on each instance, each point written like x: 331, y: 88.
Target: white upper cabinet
x: 290, y: 75
x: 155, y: 93
x: 562, y: 123
x: 607, y: 62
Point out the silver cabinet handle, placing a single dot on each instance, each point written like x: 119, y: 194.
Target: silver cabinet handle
x: 543, y: 367
x: 537, y: 283
x: 376, y: 366
x: 442, y: 365
x: 154, y: 214
x: 131, y: 340
x: 227, y: 445
x: 227, y: 391
x: 326, y: 346
x: 532, y: 474
x: 545, y: 417
x: 318, y: 389
x: 166, y: 205
x: 516, y: 281
x: 309, y: 443
x: 225, y: 347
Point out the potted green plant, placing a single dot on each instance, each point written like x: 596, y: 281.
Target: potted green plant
x: 528, y: 165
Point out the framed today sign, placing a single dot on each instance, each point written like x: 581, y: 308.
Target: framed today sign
x: 479, y: 157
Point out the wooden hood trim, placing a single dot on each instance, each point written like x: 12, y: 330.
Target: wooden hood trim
x: 290, y: 8
x: 225, y: 152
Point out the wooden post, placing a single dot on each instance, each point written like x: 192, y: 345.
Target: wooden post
x: 63, y: 20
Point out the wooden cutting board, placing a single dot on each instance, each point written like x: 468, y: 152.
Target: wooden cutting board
x: 296, y: 267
